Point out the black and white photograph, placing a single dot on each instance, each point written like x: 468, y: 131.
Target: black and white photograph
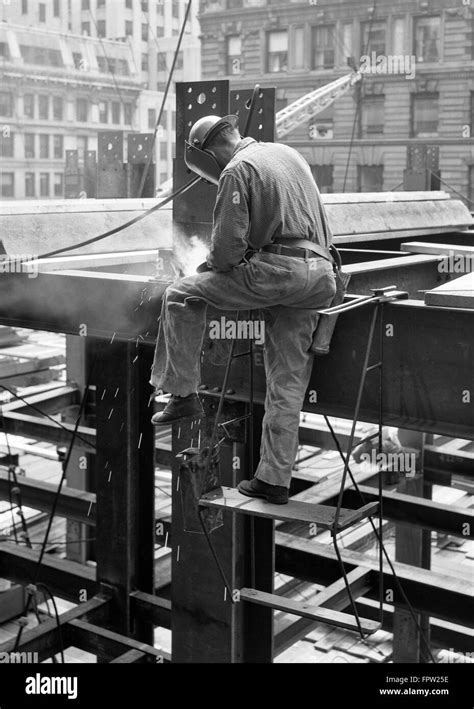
x: 236, y: 351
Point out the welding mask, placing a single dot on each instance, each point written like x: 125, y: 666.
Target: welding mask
x: 196, y: 157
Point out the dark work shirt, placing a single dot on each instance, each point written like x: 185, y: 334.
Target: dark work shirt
x: 265, y: 192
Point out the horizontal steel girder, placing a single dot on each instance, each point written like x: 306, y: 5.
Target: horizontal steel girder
x: 121, y: 306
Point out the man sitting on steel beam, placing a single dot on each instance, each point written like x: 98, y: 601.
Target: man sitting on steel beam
x: 269, y: 249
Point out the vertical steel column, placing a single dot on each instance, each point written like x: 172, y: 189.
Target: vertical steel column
x: 124, y: 478
x: 206, y: 625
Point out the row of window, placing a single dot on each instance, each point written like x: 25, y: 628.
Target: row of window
x: 41, y: 9
x: 43, y: 184
x: 44, y: 107
x: 325, y: 42
x: 44, y: 56
x: 43, y: 146
x: 144, y: 5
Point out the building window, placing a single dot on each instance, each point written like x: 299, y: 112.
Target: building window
x: 7, y: 143
x: 179, y: 61
x: 58, y: 141
x: 103, y: 112
x: 29, y: 145
x: 348, y: 39
x: 127, y: 114
x: 160, y: 31
x: 144, y: 62
x: 128, y: 28
x: 145, y: 33
x: 85, y: 5
x: 376, y: 41
x: 24, y: 7
x: 369, y: 178
x: 277, y: 51
x: 41, y: 55
x: 322, y: 47
x: 44, y: 147
x: 161, y: 62
x: 58, y: 184
x: 175, y: 8
x: 42, y: 12
x: 297, y: 48
x: 58, y: 108
x: 101, y: 28
x: 100, y: 3
x: 426, y: 36
x: 82, y: 110
x: 6, y: 104
x: 128, y: 3
x: 82, y: 146
x: 44, y: 184
x: 398, y: 36
x: 163, y: 151
x: 29, y: 105
x: 324, y: 177
x: 115, y: 112
x: 86, y: 28
x: 30, y: 184
x: 151, y: 118
x: 43, y: 107
x: 371, y: 117
x: 144, y: 6
x: 234, y: 54
x: 8, y: 184
x: 425, y: 116
x: 56, y: 8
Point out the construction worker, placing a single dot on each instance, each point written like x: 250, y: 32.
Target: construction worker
x: 269, y: 250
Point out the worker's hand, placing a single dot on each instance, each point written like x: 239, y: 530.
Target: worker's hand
x: 203, y: 268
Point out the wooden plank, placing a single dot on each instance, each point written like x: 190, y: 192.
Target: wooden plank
x: 454, y: 250
x: 458, y: 293
x: 307, y: 610
x: 92, y: 638
x: 228, y: 498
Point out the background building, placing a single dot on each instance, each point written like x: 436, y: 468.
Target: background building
x: 298, y: 46
x: 121, y: 50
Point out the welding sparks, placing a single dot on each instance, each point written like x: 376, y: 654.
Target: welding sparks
x: 113, y: 337
x: 166, y: 540
x: 110, y: 475
x: 140, y: 440
x: 177, y: 485
x: 111, y: 412
x: 103, y: 394
x: 90, y: 507
x: 116, y: 392
x: 177, y: 554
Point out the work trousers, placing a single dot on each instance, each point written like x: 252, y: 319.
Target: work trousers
x: 289, y: 290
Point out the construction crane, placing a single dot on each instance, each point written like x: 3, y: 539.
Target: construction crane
x: 313, y: 103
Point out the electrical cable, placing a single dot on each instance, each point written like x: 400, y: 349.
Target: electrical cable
x: 359, y: 99
x: 452, y: 189
x: 163, y: 102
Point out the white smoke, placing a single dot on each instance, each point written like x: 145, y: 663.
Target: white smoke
x: 189, y: 253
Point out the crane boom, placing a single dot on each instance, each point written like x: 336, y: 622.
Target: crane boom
x: 313, y: 103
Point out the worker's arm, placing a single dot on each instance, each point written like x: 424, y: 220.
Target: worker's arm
x: 229, y: 240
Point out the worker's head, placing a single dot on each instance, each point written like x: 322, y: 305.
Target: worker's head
x: 210, y: 146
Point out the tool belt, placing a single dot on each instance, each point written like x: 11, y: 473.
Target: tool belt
x: 300, y: 248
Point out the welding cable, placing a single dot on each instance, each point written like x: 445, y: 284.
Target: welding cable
x: 377, y: 534
x: 452, y: 189
x: 359, y: 99
x: 46, y: 590
x: 56, y: 498
x: 121, y: 227
x: 43, y: 413
x: 163, y: 102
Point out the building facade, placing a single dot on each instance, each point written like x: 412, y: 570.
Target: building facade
x: 417, y: 88
x: 131, y: 43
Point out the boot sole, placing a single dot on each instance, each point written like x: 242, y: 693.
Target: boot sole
x: 272, y: 500
x: 197, y: 415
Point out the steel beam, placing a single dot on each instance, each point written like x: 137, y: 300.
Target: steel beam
x: 73, y: 504
x: 429, y: 592
x: 43, y: 429
x: 66, y: 579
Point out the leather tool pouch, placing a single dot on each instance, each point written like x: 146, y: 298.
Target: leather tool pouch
x: 326, y: 324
